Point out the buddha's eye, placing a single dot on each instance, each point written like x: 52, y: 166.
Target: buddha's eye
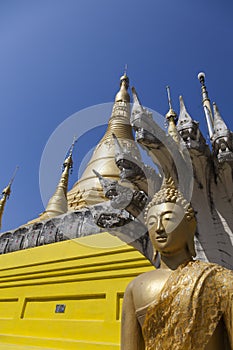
x: 151, y: 223
x: 167, y: 218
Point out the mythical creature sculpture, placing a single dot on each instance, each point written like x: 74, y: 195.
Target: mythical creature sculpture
x: 185, y: 304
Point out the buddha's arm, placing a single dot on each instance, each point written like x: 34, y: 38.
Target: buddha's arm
x: 131, y: 334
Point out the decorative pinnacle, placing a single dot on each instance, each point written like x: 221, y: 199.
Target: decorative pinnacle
x: 123, y: 95
x: 184, y: 116
x: 206, y: 104
x: 201, y: 77
x: 5, y: 195
x: 126, y: 68
x: 169, y: 97
x: 171, y: 113
x: 68, y: 162
x: 124, y: 78
x: 7, y: 190
x: 136, y: 98
x: 57, y: 204
x: 13, y: 177
x: 72, y: 146
x: 219, y: 125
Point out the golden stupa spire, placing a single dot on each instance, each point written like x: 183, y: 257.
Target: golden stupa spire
x: 171, y: 118
x: 206, y: 105
x: 5, y: 195
x: 119, y: 122
x: 57, y: 204
x: 87, y: 190
x: 123, y: 95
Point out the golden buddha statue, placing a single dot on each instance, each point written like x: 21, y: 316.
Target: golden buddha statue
x: 185, y: 304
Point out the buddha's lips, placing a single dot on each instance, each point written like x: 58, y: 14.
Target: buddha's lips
x: 161, y: 237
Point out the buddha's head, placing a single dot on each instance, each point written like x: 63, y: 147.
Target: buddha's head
x: 171, y: 221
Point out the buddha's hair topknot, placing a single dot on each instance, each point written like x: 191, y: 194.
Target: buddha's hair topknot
x: 169, y: 193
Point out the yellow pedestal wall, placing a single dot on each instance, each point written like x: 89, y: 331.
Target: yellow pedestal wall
x: 83, y: 278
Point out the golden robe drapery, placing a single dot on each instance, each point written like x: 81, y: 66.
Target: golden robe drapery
x: 190, y: 305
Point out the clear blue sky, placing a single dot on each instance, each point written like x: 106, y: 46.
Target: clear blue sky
x: 60, y: 56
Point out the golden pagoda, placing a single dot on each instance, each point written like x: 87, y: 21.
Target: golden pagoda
x: 63, y: 280
x: 87, y: 190
x: 57, y: 204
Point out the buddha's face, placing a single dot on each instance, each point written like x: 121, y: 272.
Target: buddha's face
x: 169, y: 229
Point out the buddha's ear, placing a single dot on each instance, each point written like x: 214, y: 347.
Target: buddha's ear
x: 191, y: 246
x: 192, y: 223
x: 190, y: 239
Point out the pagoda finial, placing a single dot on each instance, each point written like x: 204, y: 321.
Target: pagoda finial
x: 222, y: 141
x: 171, y: 118
x: 123, y: 95
x: 136, y: 101
x: 169, y: 96
x: 14, y: 174
x: 57, y: 204
x: 206, y: 104
x: 72, y: 145
x: 184, y: 117
x: 220, y: 127
x: 188, y: 129
x: 69, y: 155
x: 171, y: 113
x: 5, y: 195
x: 126, y: 68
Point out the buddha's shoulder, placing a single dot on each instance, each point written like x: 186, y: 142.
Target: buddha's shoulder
x: 146, y: 287
x: 149, y: 278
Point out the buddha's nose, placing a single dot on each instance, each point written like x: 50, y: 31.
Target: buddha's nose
x: 159, y: 227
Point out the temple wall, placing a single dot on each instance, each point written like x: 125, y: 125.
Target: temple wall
x: 66, y: 295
